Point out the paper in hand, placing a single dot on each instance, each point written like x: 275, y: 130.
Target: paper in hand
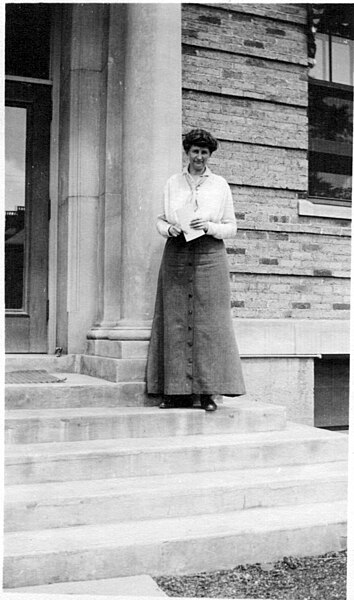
x: 185, y: 216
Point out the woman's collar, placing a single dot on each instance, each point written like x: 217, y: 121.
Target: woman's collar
x: 206, y: 173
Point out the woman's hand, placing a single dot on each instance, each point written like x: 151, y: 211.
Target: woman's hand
x: 199, y: 223
x: 174, y: 230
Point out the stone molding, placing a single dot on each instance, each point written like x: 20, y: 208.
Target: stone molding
x: 292, y: 337
x: 330, y: 211
x: 133, y: 333
x: 263, y: 337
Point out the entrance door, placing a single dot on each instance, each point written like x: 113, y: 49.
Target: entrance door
x: 27, y: 143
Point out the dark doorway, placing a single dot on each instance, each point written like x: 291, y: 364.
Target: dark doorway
x: 332, y: 392
x: 27, y: 150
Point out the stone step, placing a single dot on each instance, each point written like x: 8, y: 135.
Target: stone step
x: 99, y: 589
x: 68, y: 363
x: 174, y: 545
x: 101, y: 459
x: 77, y: 391
x: 79, y: 424
x: 114, y: 369
x: 103, y: 367
x: 67, y: 504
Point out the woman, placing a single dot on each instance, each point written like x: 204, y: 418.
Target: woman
x: 193, y: 349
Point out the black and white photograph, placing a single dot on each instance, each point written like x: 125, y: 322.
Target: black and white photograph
x: 176, y: 291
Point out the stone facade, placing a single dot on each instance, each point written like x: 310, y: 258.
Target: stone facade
x: 245, y: 74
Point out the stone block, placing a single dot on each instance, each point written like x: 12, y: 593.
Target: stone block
x: 288, y: 382
x: 118, y: 349
x: 114, y: 369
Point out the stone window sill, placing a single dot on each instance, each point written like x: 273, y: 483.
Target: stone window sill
x: 310, y: 209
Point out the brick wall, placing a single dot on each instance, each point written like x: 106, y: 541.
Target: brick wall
x: 245, y: 79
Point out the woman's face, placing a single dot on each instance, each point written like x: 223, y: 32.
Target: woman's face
x: 198, y: 158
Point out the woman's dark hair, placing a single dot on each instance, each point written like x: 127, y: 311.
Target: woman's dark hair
x: 199, y: 137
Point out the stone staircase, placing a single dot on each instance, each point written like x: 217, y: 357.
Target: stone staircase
x: 100, y: 486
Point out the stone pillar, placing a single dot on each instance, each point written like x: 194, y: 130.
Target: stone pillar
x: 111, y: 171
x: 82, y: 82
x: 152, y: 116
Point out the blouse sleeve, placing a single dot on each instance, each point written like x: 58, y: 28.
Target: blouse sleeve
x: 162, y: 223
x: 227, y: 227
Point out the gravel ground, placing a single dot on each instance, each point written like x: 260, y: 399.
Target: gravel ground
x: 310, y: 578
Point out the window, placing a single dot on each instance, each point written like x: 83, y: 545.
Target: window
x: 331, y: 106
x: 15, y: 199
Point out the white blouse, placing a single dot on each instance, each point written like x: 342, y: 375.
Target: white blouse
x: 210, y: 197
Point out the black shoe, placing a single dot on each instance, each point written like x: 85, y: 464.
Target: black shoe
x: 207, y: 403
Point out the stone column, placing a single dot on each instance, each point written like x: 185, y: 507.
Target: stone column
x: 152, y: 116
x: 82, y: 83
x: 111, y: 171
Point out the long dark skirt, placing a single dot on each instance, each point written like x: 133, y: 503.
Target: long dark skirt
x: 193, y: 348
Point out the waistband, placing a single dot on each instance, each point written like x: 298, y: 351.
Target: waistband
x: 203, y: 245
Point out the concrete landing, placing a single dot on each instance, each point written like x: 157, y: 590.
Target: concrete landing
x: 77, y: 391
x: 49, y: 362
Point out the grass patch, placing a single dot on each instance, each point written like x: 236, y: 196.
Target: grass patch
x: 310, y: 578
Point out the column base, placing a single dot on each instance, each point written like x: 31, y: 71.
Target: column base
x: 125, y: 330
x: 117, y: 348
x: 127, y: 340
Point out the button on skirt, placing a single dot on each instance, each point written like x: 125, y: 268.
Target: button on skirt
x: 193, y: 348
